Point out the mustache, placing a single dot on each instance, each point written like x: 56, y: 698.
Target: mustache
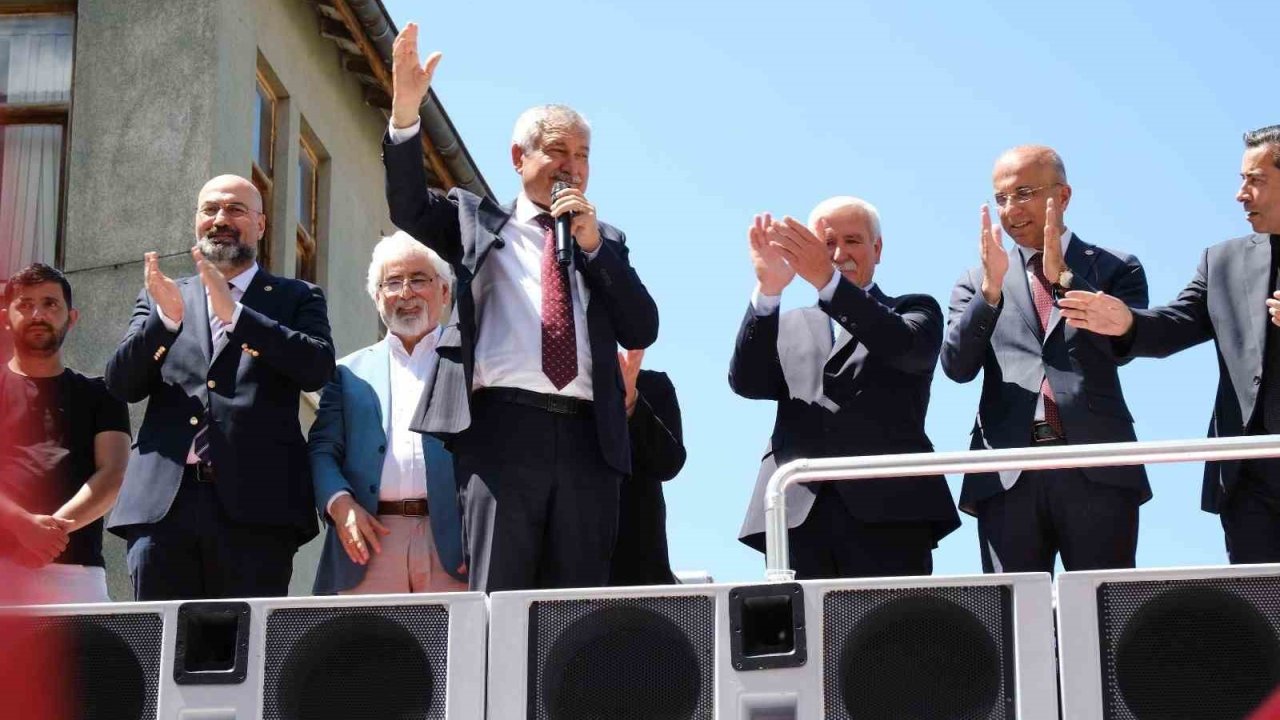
x: 222, y: 230
x: 33, y: 325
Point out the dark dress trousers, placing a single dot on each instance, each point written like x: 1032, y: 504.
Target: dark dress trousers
x: 865, y: 395
x: 234, y: 536
x: 1226, y: 303
x: 1025, y: 519
x: 547, y: 481
x: 657, y: 454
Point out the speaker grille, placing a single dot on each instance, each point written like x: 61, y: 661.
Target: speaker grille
x: 1188, y: 649
x: 357, y: 663
x: 919, y: 653
x: 647, y: 658
x: 111, y: 661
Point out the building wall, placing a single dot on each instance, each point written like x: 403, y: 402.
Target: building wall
x: 162, y: 100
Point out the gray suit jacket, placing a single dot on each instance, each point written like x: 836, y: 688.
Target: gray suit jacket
x: 1225, y: 302
x: 1007, y: 344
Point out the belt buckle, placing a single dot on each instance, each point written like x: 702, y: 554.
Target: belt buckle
x: 413, y: 508
x: 562, y: 404
x: 204, y: 472
x: 1044, y: 432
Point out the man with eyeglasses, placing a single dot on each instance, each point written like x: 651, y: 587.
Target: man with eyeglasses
x: 1044, y: 383
x: 388, y: 493
x: 218, y: 497
x: 527, y: 392
x: 1234, y: 300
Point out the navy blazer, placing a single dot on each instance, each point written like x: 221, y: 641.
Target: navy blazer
x: 249, y: 393
x: 1225, y: 302
x: 867, y: 395
x: 463, y: 228
x: 348, y: 446
x: 1007, y: 344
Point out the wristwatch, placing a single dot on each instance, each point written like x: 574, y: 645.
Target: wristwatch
x: 1064, y: 279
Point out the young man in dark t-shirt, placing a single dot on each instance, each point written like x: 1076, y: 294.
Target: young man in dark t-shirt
x: 64, y: 443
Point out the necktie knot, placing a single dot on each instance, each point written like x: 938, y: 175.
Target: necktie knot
x: 544, y: 221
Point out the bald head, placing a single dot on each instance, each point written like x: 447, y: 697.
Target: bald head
x: 1023, y: 181
x: 229, y: 222
x: 234, y: 185
x: 1038, y: 155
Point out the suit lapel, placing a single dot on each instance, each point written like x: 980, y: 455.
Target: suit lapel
x: 1257, y: 288
x: 380, y: 378
x: 256, y: 296
x: 1018, y: 291
x: 1080, y: 259
x: 197, y: 313
x: 492, y: 218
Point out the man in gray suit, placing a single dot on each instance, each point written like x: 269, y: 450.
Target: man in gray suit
x: 1044, y: 383
x: 1234, y: 284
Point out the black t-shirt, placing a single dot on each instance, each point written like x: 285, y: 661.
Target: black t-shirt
x: 47, y: 429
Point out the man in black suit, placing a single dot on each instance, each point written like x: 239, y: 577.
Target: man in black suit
x: 851, y: 377
x: 1235, y: 288
x: 657, y: 454
x: 1044, y: 383
x: 527, y: 393
x: 217, y: 496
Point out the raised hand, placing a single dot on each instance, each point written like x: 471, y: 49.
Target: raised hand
x: 803, y: 251
x: 220, y: 298
x: 163, y: 290
x: 1096, y: 312
x: 995, y: 261
x: 773, y: 274
x: 1053, y: 264
x: 629, y: 364
x: 1273, y: 308
x: 409, y: 80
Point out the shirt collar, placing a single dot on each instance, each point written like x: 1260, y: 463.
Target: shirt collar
x: 526, y: 210
x: 241, y: 281
x: 425, y: 345
x: 1067, y: 237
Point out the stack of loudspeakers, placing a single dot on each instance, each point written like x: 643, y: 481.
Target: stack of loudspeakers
x: 888, y: 648
x: 372, y: 656
x: 1176, y: 644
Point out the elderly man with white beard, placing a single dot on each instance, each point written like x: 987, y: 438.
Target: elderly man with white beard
x: 388, y: 494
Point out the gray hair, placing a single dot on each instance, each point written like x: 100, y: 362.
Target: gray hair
x: 534, y: 123
x: 830, y: 205
x: 397, y: 244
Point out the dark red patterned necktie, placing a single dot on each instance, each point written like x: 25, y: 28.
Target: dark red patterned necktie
x: 1044, y: 303
x: 559, y: 342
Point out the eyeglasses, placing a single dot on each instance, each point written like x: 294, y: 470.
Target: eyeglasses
x: 1021, y: 196
x: 231, y: 210
x: 395, y: 286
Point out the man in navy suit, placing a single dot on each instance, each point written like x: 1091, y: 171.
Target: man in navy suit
x: 1044, y: 382
x: 388, y: 493
x: 527, y: 391
x: 1235, y: 289
x: 217, y: 497
x: 850, y: 376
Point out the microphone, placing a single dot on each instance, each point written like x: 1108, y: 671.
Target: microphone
x: 564, y: 239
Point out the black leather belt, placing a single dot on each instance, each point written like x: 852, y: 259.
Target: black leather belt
x: 199, y: 472
x: 559, y: 404
x: 1043, y: 433
x: 416, y: 507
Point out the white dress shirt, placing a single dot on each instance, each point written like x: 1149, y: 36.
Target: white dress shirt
x: 404, y: 468
x: 239, y: 284
x: 508, y: 297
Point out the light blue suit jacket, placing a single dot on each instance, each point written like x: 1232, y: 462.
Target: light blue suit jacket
x: 348, y: 445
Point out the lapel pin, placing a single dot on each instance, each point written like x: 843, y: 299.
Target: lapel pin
x: 1088, y: 252
x: 266, y: 288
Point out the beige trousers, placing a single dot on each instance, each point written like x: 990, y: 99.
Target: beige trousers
x: 408, y: 562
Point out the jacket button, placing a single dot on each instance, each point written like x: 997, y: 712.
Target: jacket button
x: 195, y: 421
x: 382, y: 448
x: 212, y: 384
x: 1257, y: 379
x: 373, y: 488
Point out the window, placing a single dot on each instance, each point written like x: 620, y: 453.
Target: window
x: 308, y: 224
x: 35, y: 96
x: 265, y: 107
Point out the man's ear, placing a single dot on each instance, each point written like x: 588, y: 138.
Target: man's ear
x: 73, y: 317
x: 517, y: 157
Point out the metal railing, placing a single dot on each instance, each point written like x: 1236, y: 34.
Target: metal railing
x: 1032, y: 458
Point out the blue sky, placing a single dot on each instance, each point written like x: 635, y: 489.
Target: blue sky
x: 706, y: 113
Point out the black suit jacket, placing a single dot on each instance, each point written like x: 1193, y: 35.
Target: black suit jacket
x: 657, y: 454
x: 280, y: 346
x: 866, y: 396
x: 1006, y: 343
x: 464, y: 228
x: 1225, y: 302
